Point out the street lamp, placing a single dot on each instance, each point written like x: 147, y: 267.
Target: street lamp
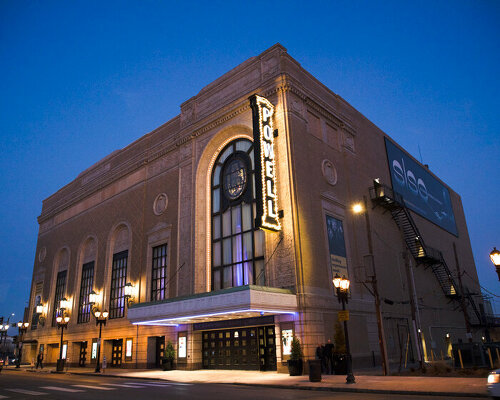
x: 362, y: 208
x: 100, y: 319
x: 22, y: 327
x: 495, y: 259
x: 342, y: 286
x: 62, y: 322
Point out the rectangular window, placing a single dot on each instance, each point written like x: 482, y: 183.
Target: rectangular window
x: 128, y: 349
x: 84, y: 307
x: 59, y: 293
x: 118, y: 280
x: 159, y: 273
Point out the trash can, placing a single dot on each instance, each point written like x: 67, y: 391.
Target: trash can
x: 314, y: 370
x: 60, y: 365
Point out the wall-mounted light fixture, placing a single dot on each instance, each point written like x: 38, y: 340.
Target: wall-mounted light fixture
x: 128, y: 294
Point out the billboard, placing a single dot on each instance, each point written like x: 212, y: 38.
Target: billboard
x: 421, y: 192
x: 336, y: 246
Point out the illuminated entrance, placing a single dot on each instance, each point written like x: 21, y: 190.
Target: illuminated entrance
x: 250, y: 348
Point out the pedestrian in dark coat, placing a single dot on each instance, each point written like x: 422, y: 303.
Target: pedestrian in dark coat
x: 321, y: 357
x: 39, y: 360
x: 328, y: 354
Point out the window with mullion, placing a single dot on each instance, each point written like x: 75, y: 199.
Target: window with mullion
x: 59, y: 293
x: 237, y: 246
x: 159, y: 273
x: 86, y: 285
x: 118, y: 280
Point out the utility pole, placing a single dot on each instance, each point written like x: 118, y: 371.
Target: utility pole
x: 415, y: 317
x: 462, y: 300
x: 380, y: 323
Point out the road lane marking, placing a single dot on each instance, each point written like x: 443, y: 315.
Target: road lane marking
x: 150, y: 384
x: 93, y: 387
x: 30, y: 392
x: 122, y: 385
x: 62, y: 389
x: 3, y: 397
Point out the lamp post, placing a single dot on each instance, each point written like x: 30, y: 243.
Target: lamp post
x: 495, y: 259
x: 342, y: 286
x: 359, y: 208
x: 62, y: 323
x: 22, y: 327
x: 100, y: 319
x: 3, y: 334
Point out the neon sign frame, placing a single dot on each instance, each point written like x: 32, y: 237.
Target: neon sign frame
x: 265, y: 164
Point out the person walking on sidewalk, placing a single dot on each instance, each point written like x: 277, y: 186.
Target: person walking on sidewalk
x: 320, y: 350
x: 39, y: 360
x: 328, y: 354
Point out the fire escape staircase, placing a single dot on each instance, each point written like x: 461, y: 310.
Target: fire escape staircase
x: 382, y: 195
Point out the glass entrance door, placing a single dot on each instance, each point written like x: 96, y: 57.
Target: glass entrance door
x: 267, y: 348
x: 160, y: 349
x: 240, y: 348
x: 83, y: 354
x: 116, y: 354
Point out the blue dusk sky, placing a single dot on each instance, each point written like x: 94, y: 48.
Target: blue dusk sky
x: 80, y: 79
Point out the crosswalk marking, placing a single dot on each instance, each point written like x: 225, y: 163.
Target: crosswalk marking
x: 30, y: 392
x: 62, y: 389
x: 93, y: 387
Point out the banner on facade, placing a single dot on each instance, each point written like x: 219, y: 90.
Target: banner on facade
x: 336, y: 245
x: 265, y: 164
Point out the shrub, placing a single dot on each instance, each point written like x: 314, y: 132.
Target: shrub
x: 296, y: 351
x: 169, y: 353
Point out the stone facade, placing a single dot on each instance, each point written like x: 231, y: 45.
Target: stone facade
x: 157, y: 191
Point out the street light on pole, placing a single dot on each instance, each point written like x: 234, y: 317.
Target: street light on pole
x: 100, y: 319
x: 22, y: 327
x: 495, y: 259
x: 360, y: 208
x: 62, y: 323
x: 342, y: 286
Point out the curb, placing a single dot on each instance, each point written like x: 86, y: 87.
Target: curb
x: 312, y: 388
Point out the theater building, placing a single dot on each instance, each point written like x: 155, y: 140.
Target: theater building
x: 228, y: 223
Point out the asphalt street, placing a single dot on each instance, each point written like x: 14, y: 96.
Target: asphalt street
x: 27, y: 385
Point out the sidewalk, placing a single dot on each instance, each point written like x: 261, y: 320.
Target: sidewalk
x: 415, y: 385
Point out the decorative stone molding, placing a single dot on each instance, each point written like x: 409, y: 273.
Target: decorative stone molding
x: 42, y: 254
x: 329, y: 172
x: 160, y: 204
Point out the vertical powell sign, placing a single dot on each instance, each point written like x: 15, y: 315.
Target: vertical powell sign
x: 265, y: 164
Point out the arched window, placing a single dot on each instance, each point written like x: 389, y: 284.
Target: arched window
x: 237, y: 246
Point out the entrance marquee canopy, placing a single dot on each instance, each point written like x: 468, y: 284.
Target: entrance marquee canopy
x: 238, y: 302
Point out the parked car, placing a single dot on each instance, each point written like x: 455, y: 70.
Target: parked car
x: 494, y: 384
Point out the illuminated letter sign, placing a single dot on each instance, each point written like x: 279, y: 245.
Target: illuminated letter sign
x: 265, y: 165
